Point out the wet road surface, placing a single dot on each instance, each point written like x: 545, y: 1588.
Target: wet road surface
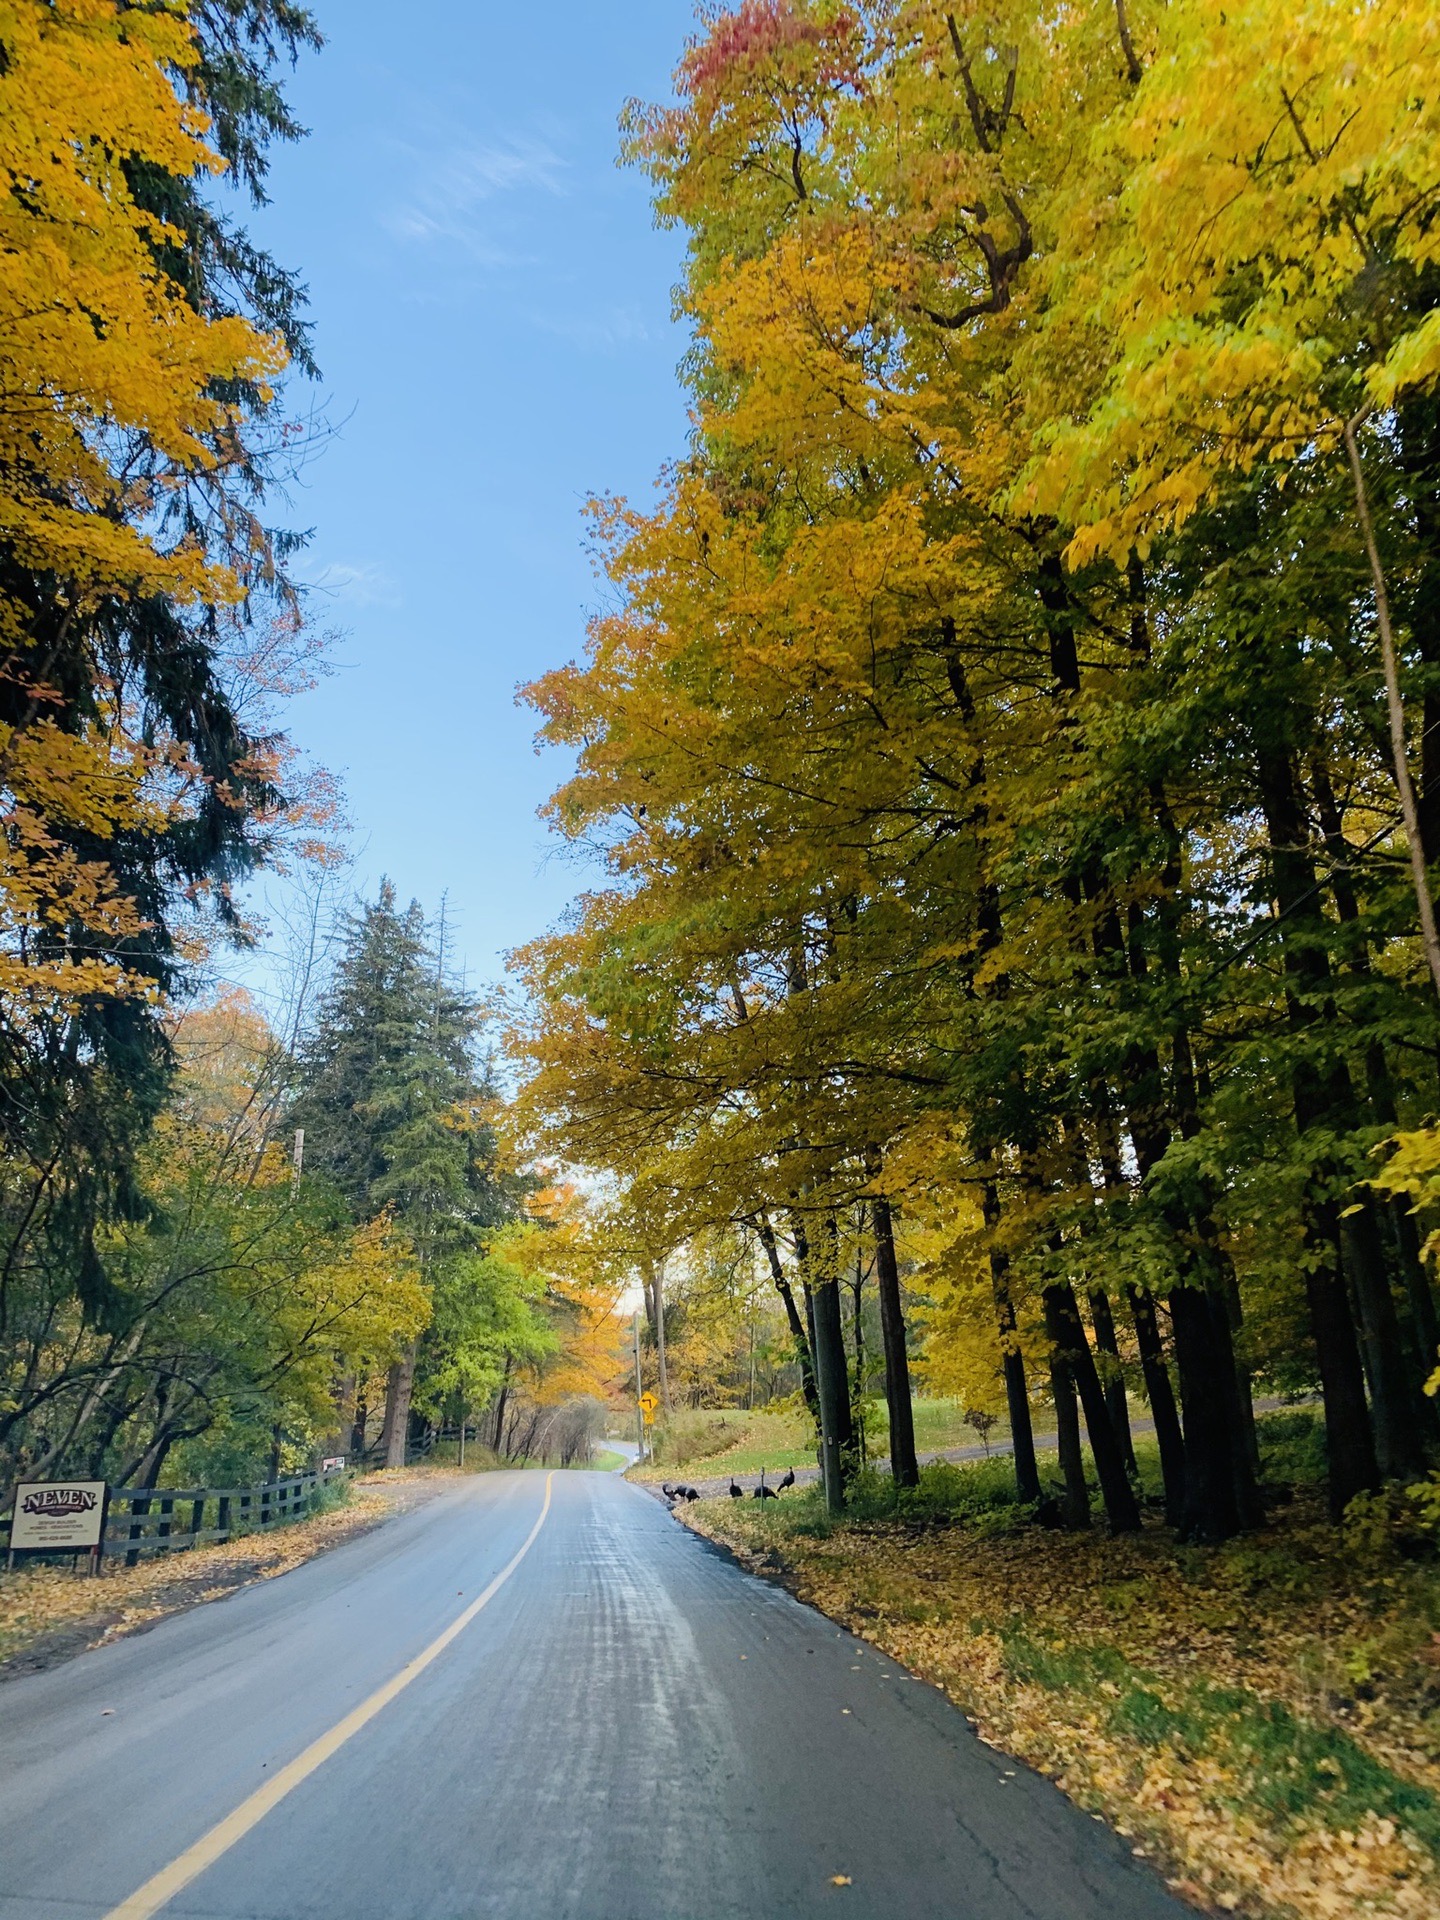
x: 630, y: 1729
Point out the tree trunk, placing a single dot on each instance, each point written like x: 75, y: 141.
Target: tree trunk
x: 1349, y: 1438
x: 361, y: 1422
x: 399, y: 1385
x: 1417, y: 1361
x: 1323, y: 1101
x: 832, y: 1376
x: 1240, y: 1416
x: 1212, y: 1510
x: 1112, y: 1379
x: 1245, y: 1387
x: 1075, y: 1502
x: 1399, y: 1449
x: 904, y: 1467
x: 835, y: 1432
x: 1017, y: 1394
x: 1161, y: 1395
x: 1066, y: 1331
x: 655, y: 1278
x: 857, y: 1378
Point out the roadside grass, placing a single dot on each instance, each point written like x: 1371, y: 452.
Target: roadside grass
x: 1262, y: 1718
x: 606, y: 1461
x: 712, y: 1441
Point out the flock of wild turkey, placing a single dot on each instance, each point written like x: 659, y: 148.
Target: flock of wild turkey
x: 674, y: 1495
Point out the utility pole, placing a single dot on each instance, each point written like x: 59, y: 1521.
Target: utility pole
x: 639, y: 1389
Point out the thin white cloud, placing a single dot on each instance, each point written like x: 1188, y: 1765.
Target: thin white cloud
x: 355, y: 584
x: 600, y: 332
x: 452, y: 191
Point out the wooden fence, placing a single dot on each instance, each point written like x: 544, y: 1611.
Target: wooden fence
x: 145, y: 1520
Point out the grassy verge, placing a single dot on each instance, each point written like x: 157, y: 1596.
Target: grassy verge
x: 705, y: 1442
x: 1263, y: 1719
x: 710, y: 1441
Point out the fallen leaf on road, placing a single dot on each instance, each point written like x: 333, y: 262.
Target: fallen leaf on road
x: 841, y: 1880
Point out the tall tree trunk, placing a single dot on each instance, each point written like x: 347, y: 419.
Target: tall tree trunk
x: 1399, y: 1449
x: 1017, y: 1393
x: 1066, y: 1332
x: 1161, y: 1395
x: 1349, y: 1438
x: 1233, y: 1330
x: 1365, y: 1247
x: 399, y: 1385
x: 1112, y: 1379
x: 832, y: 1376
x: 835, y: 1436
x: 1244, y: 1444
x: 655, y: 1279
x: 361, y: 1422
x: 1075, y: 1501
x: 1211, y: 1512
x: 904, y: 1467
x: 857, y: 1322
x: 1322, y: 1101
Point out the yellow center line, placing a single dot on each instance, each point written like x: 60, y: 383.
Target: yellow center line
x: 160, y: 1890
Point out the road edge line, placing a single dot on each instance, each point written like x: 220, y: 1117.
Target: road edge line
x: 162, y: 1887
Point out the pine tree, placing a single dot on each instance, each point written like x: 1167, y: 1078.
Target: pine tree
x: 393, y: 1104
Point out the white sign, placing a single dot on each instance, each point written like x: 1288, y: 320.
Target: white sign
x: 58, y: 1515
x: 333, y: 1466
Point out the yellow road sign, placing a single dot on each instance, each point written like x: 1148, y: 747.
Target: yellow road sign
x: 649, y: 1403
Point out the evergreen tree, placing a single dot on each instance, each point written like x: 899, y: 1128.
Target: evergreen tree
x: 394, y: 1102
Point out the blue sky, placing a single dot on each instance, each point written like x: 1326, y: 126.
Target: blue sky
x: 492, y: 312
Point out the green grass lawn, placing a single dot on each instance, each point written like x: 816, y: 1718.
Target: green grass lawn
x: 705, y: 1442
x: 604, y: 1461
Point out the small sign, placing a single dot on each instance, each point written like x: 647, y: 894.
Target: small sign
x: 335, y: 1464
x: 55, y: 1516
x: 649, y: 1402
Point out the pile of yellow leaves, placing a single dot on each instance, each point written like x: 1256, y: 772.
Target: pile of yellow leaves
x: 1262, y: 1720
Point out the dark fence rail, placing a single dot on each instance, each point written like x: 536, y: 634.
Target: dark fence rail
x: 146, y: 1520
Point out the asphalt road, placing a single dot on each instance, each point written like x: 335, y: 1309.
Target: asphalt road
x: 630, y: 1729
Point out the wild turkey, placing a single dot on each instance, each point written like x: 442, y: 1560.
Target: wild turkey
x: 737, y: 1492
x: 788, y: 1481
x: 689, y: 1493
x: 670, y: 1493
x: 762, y: 1492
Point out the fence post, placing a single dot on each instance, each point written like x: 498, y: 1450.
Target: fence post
x: 167, y: 1507
x: 138, y: 1509
x: 197, y: 1515
x: 222, y: 1517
